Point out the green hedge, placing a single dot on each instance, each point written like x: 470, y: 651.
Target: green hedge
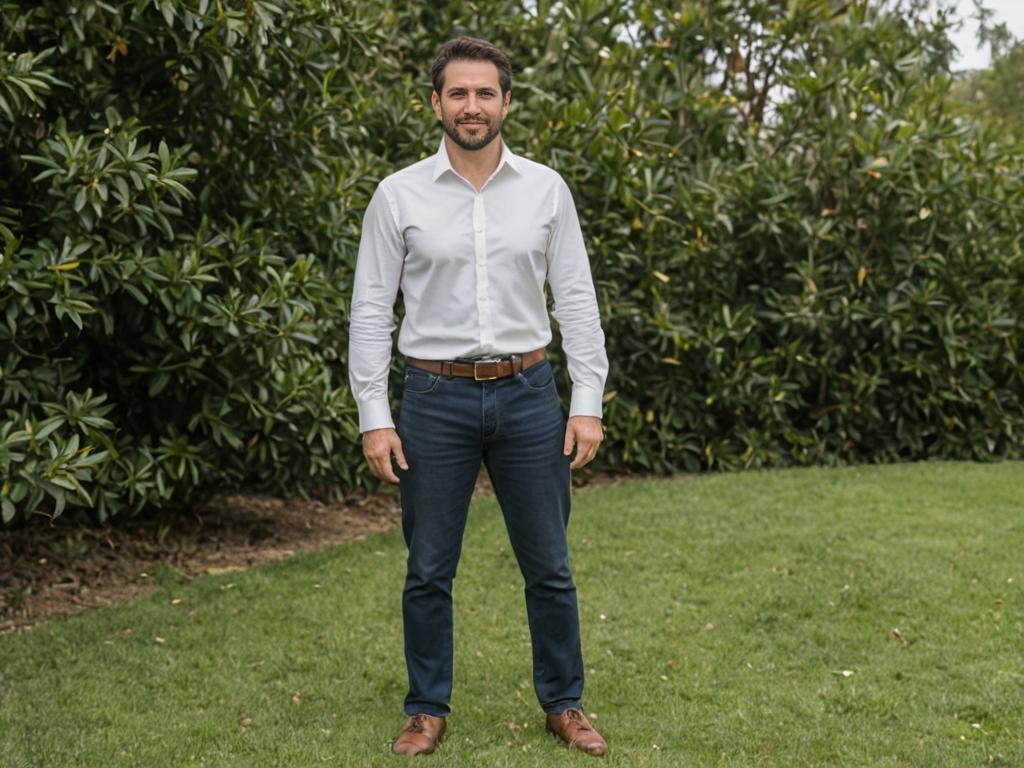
x: 802, y: 254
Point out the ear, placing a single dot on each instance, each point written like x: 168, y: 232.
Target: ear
x: 505, y: 106
x: 435, y: 101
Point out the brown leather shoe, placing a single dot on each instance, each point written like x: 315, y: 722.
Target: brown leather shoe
x: 576, y: 731
x: 419, y: 736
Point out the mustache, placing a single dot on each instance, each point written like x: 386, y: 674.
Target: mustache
x: 472, y: 119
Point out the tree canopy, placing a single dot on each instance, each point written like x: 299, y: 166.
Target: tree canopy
x: 804, y: 252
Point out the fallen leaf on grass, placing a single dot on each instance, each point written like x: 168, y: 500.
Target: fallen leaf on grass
x: 245, y: 722
x: 516, y: 733
x: 217, y: 570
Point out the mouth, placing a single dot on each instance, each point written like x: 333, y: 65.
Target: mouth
x: 472, y: 123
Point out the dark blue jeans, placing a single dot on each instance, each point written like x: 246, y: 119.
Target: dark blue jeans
x: 515, y: 426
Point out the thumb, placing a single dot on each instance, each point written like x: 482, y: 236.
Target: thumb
x: 399, y: 455
x: 570, y: 440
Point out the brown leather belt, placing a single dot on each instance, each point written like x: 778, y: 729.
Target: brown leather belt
x: 480, y: 370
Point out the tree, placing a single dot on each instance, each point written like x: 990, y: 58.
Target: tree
x: 804, y: 253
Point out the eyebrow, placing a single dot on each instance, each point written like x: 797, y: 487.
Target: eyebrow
x: 482, y: 89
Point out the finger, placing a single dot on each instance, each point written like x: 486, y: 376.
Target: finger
x: 585, y: 454
x: 399, y: 455
x: 376, y: 468
x: 387, y: 473
x: 570, y: 440
x: 381, y: 468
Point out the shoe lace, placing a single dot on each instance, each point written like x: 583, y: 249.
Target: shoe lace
x: 576, y: 716
x: 416, y: 724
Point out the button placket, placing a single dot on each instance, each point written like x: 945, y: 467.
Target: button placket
x: 483, y: 288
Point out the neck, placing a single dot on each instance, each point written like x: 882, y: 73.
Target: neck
x: 476, y: 165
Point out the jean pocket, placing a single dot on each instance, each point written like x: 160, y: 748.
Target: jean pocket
x: 538, y: 377
x: 420, y: 382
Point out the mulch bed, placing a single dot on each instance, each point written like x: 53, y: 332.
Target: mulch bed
x: 63, y: 567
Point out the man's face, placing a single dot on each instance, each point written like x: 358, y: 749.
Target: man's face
x: 471, y: 107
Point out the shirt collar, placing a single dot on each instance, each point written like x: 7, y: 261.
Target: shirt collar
x: 443, y: 163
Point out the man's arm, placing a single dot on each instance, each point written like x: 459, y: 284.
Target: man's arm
x: 580, y: 323
x: 371, y: 323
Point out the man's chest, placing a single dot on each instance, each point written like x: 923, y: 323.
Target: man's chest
x: 477, y: 230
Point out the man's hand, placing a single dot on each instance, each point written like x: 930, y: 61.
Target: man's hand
x: 586, y: 433
x: 378, y: 445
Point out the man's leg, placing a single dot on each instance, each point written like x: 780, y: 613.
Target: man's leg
x: 439, y: 424
x: 531, y: 479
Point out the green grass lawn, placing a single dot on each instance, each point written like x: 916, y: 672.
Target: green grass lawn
x: 867, y: 616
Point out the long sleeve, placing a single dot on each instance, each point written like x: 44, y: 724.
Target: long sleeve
x: 372, y: 319
x: 576, y: 309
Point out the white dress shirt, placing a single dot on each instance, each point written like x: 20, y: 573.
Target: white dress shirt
x: 472, y: 266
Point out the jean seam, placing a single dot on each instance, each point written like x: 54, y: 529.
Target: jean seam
x: 530, y: 387
x: 428, y: 390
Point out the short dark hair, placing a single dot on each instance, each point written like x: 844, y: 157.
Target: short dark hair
x: 471, y: 49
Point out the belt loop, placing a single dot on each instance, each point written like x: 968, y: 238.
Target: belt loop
x: 517, y: 364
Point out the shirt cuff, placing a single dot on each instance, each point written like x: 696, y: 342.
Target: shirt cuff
x: 586, y: 402
x: 375, y: 414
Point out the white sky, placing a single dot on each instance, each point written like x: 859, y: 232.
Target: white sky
x: 1010, y: 12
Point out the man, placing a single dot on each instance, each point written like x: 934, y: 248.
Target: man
x: 471, y: 235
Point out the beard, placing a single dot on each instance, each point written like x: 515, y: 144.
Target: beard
x: 492, y: 129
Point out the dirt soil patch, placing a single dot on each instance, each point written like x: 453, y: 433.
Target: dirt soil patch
x: 64, y: 567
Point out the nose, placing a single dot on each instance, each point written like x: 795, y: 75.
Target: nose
x: 471, y: 105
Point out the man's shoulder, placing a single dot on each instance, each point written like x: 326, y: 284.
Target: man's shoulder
x: 536, y: 170
x: 418, y: 171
